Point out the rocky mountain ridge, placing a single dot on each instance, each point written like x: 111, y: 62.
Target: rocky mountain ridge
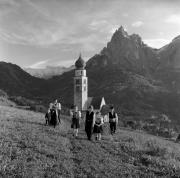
x: 138, y: 79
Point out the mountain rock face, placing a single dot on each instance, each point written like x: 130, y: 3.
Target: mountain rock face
x: 168, y: 67
x: 169, y: 55
x: 48, y: 72
x: 127, y: 52
x: 137, y: 79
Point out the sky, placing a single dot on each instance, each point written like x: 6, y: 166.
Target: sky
x: 39, y: 33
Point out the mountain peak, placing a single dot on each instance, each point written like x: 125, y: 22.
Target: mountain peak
x: 121, y: 28
x: 136, y: 38
x: 121, y: 31
x: 176, y: 39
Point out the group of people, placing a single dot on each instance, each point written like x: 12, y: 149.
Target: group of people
x: 93, y: 122
x: 53, y: 115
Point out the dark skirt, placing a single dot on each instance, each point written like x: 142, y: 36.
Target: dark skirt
x: 75, y: 123
x: 88, y: 126
x: 98, y: 129
x: 53, y: 121
x: 178, y: 138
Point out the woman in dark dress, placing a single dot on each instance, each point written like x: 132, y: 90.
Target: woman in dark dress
x: 53, y: 116
x: 98, y: 125
x: 89, y: 122
x: 76, y: 115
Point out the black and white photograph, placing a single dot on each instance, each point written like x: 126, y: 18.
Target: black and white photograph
x: 89, y: 88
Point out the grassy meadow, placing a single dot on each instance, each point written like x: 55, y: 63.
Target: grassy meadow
x: 30, y: 149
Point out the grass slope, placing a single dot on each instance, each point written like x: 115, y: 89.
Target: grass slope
x: 31, y: 149
x: 6, y: 102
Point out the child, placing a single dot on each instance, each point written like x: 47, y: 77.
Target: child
x: 98, y: 125
x: 76, y: 115
x: 48, y: 114
x: 47, y: 118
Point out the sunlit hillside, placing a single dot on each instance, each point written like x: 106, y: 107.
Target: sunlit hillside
x: 31, y: 149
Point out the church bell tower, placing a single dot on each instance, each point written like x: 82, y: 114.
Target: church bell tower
x: 80, y: 85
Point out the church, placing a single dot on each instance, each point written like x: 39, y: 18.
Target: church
x: 81, y: 98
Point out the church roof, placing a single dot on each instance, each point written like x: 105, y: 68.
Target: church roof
x: 80, y: 63
x: 105, y: 109
x: 96, y: 102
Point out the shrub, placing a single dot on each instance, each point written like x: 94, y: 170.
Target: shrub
x: 3, y: 94
x: 153, y: 148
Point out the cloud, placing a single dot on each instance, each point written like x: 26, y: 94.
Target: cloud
x: 137, y: 24
x: 85, y: 43
x: 157, y: 43
x: 39, y: 64
x: 125, y: 14
x: 34, y: 37
x: 66, y: 63
x: 26, y: 23
x: 6, y: 7
x: 103, y: 26
x: 32, y: 24
x: 173, y: 19
x: 96, y: 24
x: 70, y: 61
x: 12, y: 37
x: 46, y: 29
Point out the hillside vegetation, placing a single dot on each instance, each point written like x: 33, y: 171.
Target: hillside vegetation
x: 4, y: 100
x: 31, y: 149
x: 138, y: 80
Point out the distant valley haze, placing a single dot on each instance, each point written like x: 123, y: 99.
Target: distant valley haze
x: 36, y: 34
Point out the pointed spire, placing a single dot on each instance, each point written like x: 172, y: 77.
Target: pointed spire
x: 80, y: 56
x: 80, y: 63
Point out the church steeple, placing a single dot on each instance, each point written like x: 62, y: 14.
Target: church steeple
x: 80, y: 84
x: 80, y: 63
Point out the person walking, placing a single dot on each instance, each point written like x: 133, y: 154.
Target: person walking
x: 75, y: 125
x: 47, y: 118
x: 53, y: 116
x: 89, y: 122
x: 98, y: 126
x: 178, y: 138
x: 58, y: 108
x: 48, y: 114
x: 113, y: 120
